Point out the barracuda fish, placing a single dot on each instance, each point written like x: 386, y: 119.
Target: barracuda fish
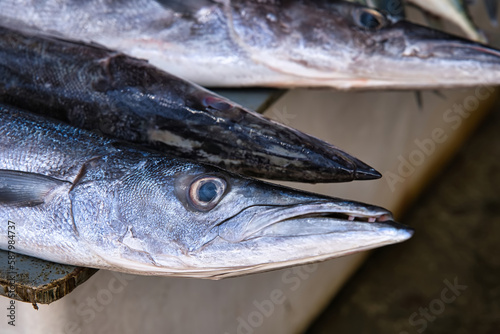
x: 80, y: 199
x: 454, y: 11
x: 270, y: 42
x: 98, y: 89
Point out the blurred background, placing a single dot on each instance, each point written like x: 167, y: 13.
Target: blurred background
x: 446, y: 279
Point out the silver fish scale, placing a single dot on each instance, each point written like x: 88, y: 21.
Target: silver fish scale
x: 129, y: 210
x: 26, y: 147
x: 62, y: 153
x: 28, y: 143
x: 45, y: 235
x: 77, y: 13
x: 182, y: 36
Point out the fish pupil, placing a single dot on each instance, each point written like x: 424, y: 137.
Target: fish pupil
x: 207, y: 192
x: 368, y: 20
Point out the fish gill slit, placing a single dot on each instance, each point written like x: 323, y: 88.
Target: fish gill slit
x: 78, y: 177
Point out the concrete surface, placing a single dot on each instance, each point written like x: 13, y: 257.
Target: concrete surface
x: 447, y: 278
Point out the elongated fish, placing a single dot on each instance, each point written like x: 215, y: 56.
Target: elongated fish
x: 454, y: 11
x: 270, y: 42
x: 76, y: 198
x: 103, y: 90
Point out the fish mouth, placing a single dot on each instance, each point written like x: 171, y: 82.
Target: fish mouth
x: 414, y: 56
x: 464, y: 50
x: 309, y: 220
x: 423, y: 42
x: 263, y: 238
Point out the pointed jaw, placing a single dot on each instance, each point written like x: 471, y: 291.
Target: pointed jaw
x: 296, y: 156
x: 413, y: 56
x: 429, y: 43
x: 247, y: 143
x: 252, y: 227
x: 263, y: 238
x: 304, y: 219
x: 365, y: 172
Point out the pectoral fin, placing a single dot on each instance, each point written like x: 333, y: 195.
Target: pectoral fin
x: 25, y: 189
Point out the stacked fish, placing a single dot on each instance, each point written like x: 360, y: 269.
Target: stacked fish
x: 141, y: 172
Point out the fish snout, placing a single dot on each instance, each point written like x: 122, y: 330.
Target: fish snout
x: 311, y: 219
x: 423, y: 42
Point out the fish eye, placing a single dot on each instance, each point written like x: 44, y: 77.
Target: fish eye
x: 206, y: 192
x: 369, y: 19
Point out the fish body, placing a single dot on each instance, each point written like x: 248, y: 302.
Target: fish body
x: 106, y: 91
x: 269, y: 43
x: 454, y: 11
x: 77, y: 198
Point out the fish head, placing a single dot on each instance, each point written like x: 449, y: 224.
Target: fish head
x: 200, y: 221
x: 348, y: 46
x: 251, y: 144
x: 189, y: 121
x: 405, y: 55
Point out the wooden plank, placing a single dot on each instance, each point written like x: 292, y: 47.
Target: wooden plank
x: 35, y: 281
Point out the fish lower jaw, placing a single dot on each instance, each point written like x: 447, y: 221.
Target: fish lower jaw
x: 220, y: 258
x: 217, y: 272
x: 260, y: 268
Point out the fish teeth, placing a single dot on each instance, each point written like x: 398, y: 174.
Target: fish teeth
x: 369, y: 219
